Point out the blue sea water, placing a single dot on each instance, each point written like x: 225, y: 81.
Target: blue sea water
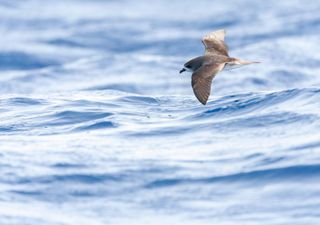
x: 98, y: 127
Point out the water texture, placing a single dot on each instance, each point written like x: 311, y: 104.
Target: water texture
x: 98, y: 127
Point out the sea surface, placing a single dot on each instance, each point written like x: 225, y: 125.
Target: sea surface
x: 97, y: 126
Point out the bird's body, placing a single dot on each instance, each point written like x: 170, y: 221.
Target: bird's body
x: 204, y: 68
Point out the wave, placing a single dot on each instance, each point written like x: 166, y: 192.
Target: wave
x: 176, y: 115
x: 274, y: 175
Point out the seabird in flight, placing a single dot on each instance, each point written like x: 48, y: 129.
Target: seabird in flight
x: 204, y: 68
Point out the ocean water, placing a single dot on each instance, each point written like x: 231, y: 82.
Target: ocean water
x: 98, y: 127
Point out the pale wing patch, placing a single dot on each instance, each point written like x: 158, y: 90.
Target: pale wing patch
x: 214, y: 43
x: 218, y: 35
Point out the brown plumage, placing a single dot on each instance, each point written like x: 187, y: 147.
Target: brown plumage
x: 205, y: 67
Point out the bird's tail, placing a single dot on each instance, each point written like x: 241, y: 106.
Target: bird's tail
x: 236, y: 63
x: 240, y: 61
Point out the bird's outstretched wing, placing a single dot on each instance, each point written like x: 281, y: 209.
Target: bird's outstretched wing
x: 202, y: 79
x: 214, y: 43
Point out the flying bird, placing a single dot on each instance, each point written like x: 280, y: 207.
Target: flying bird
x: 215, y: 59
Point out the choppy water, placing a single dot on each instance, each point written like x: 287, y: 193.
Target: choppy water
x: 98, y: 127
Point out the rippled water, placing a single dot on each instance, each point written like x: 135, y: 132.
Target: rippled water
x: 98, y: 127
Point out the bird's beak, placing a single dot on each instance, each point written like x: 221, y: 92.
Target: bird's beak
x: 181, y: 71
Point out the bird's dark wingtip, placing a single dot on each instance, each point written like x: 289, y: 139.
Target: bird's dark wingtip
x: 202, y: 101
